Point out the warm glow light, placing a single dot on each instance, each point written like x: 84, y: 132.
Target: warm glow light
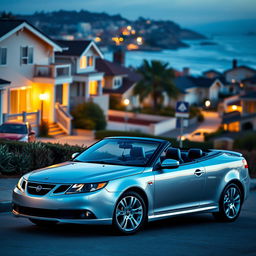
x: 126, y: 102
x: 139, y: 40
x: 129, y: 28
x: 43, y: 96
x: 131, y: 47
x: 233, y: 81
x: 133, y: 32
x: 116, y: 40
x: 121, y: 39
x: 207, y: 103
x: 234, y: 107
x: 97, y: 39
x: 23, y: 88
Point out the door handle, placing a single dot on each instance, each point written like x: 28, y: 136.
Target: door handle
x: 198, y: 172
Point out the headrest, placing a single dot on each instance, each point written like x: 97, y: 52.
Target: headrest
x: 173, y: 153
x: 195, y: 153
x: 137, y: 152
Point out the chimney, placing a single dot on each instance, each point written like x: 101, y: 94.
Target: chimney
x: 185, y: 71
x: 234, y: 63
x: 119, y: 56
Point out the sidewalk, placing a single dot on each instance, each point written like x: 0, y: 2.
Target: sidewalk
x: 8, y: 184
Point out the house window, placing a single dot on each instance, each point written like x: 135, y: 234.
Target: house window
x: 3, y: 56
x: 93, y: 88
x: 83, y: 62
x: 26, y: 55
x: 90, y: 61
x: 117, y: 82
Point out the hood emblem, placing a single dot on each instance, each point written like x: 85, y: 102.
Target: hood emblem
x: 39, y: 188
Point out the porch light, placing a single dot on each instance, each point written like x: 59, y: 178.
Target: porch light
x: 43, y: 96
x: 126, y: 102
x: 234, y: 107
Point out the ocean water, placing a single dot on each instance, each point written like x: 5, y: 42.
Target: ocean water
x: 202, y: 57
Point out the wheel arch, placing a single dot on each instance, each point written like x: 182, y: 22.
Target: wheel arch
x: 239, y: 184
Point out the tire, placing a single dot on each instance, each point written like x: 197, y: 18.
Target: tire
x: 43, y: 223
x: 130, y: 214
x: 230, y: 204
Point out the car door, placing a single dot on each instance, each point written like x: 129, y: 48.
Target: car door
x: 180, y: 188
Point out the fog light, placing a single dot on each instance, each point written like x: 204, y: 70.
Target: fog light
x: 86, y: 215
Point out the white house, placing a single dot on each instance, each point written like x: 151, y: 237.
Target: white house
x: 27, y: 60
x: 87, y: 80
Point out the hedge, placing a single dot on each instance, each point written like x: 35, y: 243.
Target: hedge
x: 21, y: 157
x: 186, y: 144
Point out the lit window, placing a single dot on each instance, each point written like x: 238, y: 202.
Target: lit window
x: 90, y: 61
x: 26, y: 55
x: 83, y: 62
x: 3, y: 56
x: 93, y: 90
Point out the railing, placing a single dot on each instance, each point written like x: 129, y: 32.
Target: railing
x: 53, y: 70
x: 32, y: 117
x: 63, y: 118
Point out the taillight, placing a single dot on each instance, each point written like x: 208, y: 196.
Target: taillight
x: 245, y: 163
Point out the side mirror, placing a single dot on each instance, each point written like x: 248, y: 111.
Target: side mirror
x: 74, y: 155
x: 169, y: 164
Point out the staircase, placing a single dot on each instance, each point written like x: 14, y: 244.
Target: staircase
x: 55, y: 130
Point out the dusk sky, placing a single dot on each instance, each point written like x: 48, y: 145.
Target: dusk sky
x: 185, y: 12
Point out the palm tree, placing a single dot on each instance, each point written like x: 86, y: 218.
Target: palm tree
x: 157, y: 79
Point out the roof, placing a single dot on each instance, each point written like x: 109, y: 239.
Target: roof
x: 74, y: 47
x: 8, y: 27
x: 231, y: 117
x: 236, y: 102
x: 240, y: 67
x: 2, y: 81
x: 114, y: 69
x: 77, y: 47
x: 249, y: 96
x: 110, y: 68
x: 187, y: 82
x: 251, y: 80
x: 212, y: 71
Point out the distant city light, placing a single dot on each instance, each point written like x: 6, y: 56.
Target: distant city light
x: 148, y: 21
x: 233, y: 81
x: 121, y: 39
x: 139, y: 40
x: 129, y: 28
x: 133, y: 32
x: 131, y: 47
x: 97, y: 39
x: 207, y: 103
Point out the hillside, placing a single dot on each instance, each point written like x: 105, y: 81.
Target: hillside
x: 109, y: 30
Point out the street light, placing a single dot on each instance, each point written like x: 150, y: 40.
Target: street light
x: 43, y: 97
x: 207, y: 103
x: 126, y: 103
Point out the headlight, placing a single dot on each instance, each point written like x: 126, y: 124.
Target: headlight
x: 21, y: 184
x: 24, y: 138
x: 85, y: 188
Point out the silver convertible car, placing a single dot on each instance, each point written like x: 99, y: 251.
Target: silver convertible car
x: 127, y: 181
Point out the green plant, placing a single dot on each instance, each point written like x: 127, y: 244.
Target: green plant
x: 157, y: 78
x: 247, y: 142
x: 89, y: 115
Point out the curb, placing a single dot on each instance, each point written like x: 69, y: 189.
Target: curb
x: 5, y: 206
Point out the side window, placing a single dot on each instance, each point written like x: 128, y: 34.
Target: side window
x: 26, y: 55
x: 3, y: 56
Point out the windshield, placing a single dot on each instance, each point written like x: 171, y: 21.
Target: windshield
x: 13, y: 128
x: 120, y: 152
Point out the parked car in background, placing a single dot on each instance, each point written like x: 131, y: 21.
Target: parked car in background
x: 19, y: 131
x: 198, y: 135
x: 128, y: 181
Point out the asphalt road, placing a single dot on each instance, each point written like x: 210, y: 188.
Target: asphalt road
x: 184, y: 235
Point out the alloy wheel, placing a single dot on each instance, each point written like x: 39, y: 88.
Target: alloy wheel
x: 232, y: 202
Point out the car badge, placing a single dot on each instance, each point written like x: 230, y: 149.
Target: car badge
x: 39, y: 188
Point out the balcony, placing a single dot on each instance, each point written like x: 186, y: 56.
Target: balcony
x: 53, y: 73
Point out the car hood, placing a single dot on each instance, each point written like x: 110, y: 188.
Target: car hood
x: 73, y: 172
x: 11, y: 136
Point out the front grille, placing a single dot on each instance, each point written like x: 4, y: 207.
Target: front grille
x: 39, y: 188
x: 58, y: 214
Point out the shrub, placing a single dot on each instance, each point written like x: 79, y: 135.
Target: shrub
x: 89, y: 115
x: 247, y: 142
x: 20, y: 157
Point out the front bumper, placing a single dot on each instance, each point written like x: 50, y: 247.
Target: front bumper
x: 66, y: 208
